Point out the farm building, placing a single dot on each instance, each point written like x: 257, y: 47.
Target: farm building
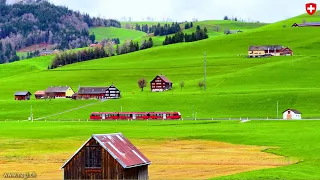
x: 39, y: 94
x: 46, y: 52
x: 113, y: 93
x: 110, y: 92
x: 160, y: 83
x: 291, y: 114
x: 95, y: 45
x: 22, y: 95
x: 233, y: 31
x: 59, y: 92
x: 107, y: 156
x: 307, y: 24
x: 91, y: 92
x: 274, y: 50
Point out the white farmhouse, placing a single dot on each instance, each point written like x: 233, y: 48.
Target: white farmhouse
x: 291, y: 114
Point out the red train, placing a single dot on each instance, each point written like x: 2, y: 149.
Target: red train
x: 134, y: 115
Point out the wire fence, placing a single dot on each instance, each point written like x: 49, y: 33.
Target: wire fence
x: 182, y: 119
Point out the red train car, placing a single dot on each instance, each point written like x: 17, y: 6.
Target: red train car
x: 134, y: 115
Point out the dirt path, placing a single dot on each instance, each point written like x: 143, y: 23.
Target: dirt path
x: 170, y: 160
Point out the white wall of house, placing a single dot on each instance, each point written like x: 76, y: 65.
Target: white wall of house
x: 293, y: 115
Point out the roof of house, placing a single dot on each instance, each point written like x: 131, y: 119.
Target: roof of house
x: 293, y: 110
x: 308, y: 24
x: 40, y: 92
x: 57, y: 89
x: 264, y: 48
x: 120, y: 148
x: 92, y: 90
x: 164, y: 78
x: 22, y: 93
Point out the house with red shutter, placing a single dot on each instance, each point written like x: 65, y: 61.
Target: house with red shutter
x: 160, y: 83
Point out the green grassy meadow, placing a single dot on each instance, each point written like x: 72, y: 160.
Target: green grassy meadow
x: 297, y: 140
x: 112, y: 32
x: 236, y: 87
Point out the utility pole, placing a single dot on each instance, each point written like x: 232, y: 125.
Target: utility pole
x: 205, y: 71
x: 193, y: 115
x: 277, y: 109
x: 31, y: 115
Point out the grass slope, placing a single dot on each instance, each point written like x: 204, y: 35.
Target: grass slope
x: 250, y: 87
x: 112, y: 32
x: 297, y: 140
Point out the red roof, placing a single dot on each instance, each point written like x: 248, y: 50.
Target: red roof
x: 165, y: 79
x: 120, y: 148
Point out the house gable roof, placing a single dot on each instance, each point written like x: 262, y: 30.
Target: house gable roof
x: 120, y: 148
x: 22, y: 93
x: 92, y: 90
x: 293, y: 110
x: 53, y: 89
x: 265, y: 48
x: 40, y: 92
x: 164, y: 78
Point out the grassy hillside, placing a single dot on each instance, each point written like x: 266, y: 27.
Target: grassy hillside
x: 28, y: 142
x: 112, y: 32
x: 236, y: 86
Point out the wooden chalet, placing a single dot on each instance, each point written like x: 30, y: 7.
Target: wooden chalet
x: 160, y: 83
x: 22, y: 95
x: 107, y: 156
x: 59, y: 92
x: 113, y: 93
x: 270, y: 50
x: 39, y: 94
x: 307, y: 24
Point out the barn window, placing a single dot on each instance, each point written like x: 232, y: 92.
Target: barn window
x: 93, y: 157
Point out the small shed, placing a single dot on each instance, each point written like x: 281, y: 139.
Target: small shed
x: 160, y: 83
x: 39, y: 94
x: 22, y: 95
x: 291, y: 114
x: 107, y: 156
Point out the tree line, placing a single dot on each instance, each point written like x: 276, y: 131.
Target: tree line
x: 159, y: 30
x: 184, y: 37
x: 23, y: 25
x: 107, y: 50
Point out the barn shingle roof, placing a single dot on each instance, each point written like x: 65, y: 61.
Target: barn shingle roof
x: 265, y: 48
x: 164, y: 78
x: 293, y: 110
x: 120, y: 148
x: 57, y: 89
x: 92, y: 90
x: 22, y: 93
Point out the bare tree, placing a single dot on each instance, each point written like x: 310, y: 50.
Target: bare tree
x: 201, y: 84
x: 216, y: 28
x: 142, y: 83
x: 304, y: 21
x: 128, y: 26
x: 181, y: 84
x: 110, y: 48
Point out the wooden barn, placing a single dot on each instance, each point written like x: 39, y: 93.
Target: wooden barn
x: 59, y: 92
x: 39, y: 94
x: 91, y: 92
x: 160, y: 83
x: 107, y: 156
x: 113, y: 93
x: 22, y: 95
x: 270, y: 50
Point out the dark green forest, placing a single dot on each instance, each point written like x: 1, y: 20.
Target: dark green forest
x: 23, y: 25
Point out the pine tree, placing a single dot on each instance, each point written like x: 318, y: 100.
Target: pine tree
x: 205, y: 30
x: 151, y: 42
x: 198, y: 28
x: 191, y: 24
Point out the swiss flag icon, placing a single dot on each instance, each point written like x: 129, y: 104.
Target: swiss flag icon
x: 311, y: 8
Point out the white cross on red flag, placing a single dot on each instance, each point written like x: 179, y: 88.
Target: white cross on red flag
x: 311, y: 8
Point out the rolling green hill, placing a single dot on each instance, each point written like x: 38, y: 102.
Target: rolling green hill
x: 236, y: 86
x: 112, y: 32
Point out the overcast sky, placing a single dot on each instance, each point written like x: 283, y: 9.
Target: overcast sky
x: 180, y: 10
